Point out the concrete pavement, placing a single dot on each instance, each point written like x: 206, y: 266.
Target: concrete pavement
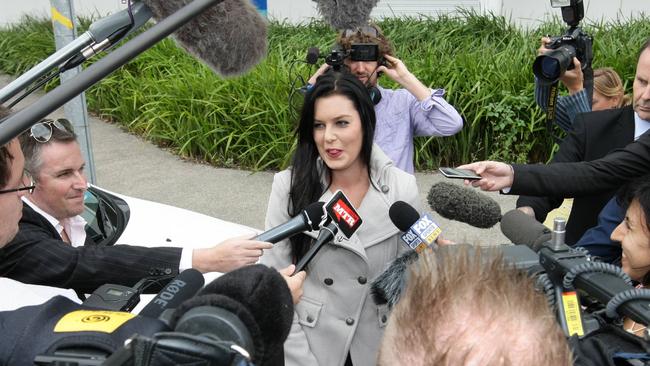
x: 126, y: 164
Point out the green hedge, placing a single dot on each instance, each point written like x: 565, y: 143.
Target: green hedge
x: 483, y: 62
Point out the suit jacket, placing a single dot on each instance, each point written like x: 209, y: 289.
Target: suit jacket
x: 336, y: 314
x: 594, y: 135
x: 37, y: 255
x: 586, y: 177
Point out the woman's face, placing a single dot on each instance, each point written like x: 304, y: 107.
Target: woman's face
x: 634, y: 237
x: 337, y: 132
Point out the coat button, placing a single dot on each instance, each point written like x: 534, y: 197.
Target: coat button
x: 328, y: 281
x: 383, y: 318
x: 362, y: 280
x: 349, y: 321
x: 310, y: 319
x: 385, y: 188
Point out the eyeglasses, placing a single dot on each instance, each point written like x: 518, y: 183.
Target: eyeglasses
x: 366, y: 30
x: 27, y: 184
x: 42, y: 131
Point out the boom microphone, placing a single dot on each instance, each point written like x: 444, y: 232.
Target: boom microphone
x: 387, y: 288
x: 521, y: 228
x: 313, y: 53
x: 308, y: 219
x: 230, y: 37
x: 458, y: 203
x: 346, y: 14
x: 250, y: 306
x: 181, y: 288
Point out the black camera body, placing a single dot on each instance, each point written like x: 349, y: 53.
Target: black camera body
x: 357, y: 52
x: 575, y: 42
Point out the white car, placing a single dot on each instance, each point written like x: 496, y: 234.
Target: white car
x: 117, y: 219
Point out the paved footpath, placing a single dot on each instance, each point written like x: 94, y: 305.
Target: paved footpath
x: 126, y: 164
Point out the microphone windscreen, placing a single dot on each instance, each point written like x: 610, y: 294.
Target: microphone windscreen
x: 312, y: 55
x: 229, y: 37
x: 346, y: 14
x: 179, y: 289
x: 403, y: 215
x: 521, y: 228
x: 314, y: 213
x: 387, y: 288
x: 458, y: 203
x: 264, y: 293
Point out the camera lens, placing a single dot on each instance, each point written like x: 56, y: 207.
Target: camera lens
x: 551, y: 66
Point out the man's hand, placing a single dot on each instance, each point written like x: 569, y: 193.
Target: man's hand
x: 294, y: 282
x: 397, y: 71
x: 229, y: 255
x: 495, y: 175
x: 321, y: 70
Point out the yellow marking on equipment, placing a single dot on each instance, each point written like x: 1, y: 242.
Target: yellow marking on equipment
x: 61, y: 19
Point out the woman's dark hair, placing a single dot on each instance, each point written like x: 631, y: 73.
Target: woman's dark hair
x: 306, y: 185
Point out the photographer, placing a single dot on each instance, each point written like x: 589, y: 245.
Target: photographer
x: 608, y: 92
x: 415, y: 110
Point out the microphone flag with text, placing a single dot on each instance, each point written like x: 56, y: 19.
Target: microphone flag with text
x: 340, y: 216
x: 419, y: 231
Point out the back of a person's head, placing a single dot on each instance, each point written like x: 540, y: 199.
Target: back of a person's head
x: 370, y: 33
x: 464, y: 308
x: 608, y: 83
x: 32, y: 147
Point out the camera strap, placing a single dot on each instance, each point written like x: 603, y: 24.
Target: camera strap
x: 551, y: 105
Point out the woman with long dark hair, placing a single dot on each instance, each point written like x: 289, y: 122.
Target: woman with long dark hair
x: 336, y: 321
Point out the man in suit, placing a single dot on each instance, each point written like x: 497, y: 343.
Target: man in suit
x: 583, y: 178
x: 594, y: 135
x: 51, y: 247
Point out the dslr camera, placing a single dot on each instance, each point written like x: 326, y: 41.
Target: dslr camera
x: 551, y: 66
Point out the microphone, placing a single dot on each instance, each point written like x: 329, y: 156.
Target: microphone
x: 462, y: 204
x: 181, y: 288
x: 308, y: 219
x: 521, y: 228
x: 313, y: 53
x: 346, y: 14
x: 250, y: 307
x: 419, y: 231
x: 230, y: 37
x: 325, y: 235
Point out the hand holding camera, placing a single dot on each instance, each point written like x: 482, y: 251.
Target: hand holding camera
x: 573, y: 78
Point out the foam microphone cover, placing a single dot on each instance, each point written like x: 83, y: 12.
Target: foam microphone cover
x: 346, y: 14
x: 387, y: 288
x: 455, y: 202
x: 260, y: 297
x: 521, y: 228
x: 230, y: 37
x: 403, y: 215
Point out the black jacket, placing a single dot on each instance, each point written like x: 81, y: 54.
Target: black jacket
x: 37, y: 255
x: 594, y: 135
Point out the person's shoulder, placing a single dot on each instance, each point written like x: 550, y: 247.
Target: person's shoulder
x: 606, y: 117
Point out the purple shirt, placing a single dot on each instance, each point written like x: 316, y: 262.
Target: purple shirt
x: 400, y: 117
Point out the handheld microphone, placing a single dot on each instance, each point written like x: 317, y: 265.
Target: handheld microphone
x: 181, y: 288
x: 521, y: 228
x: 342, y: 216
x: 313, y: 53
x: 458, y: 203
x: 230, y: 37
x: 308, y: 219
x: 419, y: 231
x: 346, y: 14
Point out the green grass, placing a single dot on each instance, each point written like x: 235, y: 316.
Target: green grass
x: 483, y: 62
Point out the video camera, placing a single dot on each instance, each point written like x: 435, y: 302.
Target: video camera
x: 336, y: 58
x: 575, y: 42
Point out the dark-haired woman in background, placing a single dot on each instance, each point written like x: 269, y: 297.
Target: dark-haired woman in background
x: 336, y: 321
